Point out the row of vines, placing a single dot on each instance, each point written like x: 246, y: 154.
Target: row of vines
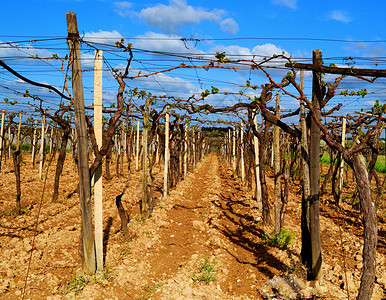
x: 146, y: 130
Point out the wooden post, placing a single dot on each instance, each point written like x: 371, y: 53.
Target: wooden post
x: 186, y: 150
x: 194, y: 147
x: 229, y: 147
x: 124, y: 143
x: 87, y: 247
x: 17, y: 162
x: 51, y: 136
x: 242, y: 152
x: 317, y: 96
x: 342, y: 161
x: 98, y: 182
x: 166, y: 154
x: 118, y: 151
x: 122, y: 147
x: 34, y: 144
x: 257, y: 168
x: 19, y: 132
x: 157, y: 150
x: 2, y: 136
x: 9, y: 138
x: 234, y: 149
x: 145, y: 196
x: 276, y: 155
x: 137, y: 149
x: 305, y: 216
x: 41, y: 151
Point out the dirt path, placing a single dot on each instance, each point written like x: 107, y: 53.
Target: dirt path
x: 197, y: 221
x: 208, y: 216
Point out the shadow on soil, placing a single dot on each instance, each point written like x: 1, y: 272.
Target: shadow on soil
x: 241, y: 229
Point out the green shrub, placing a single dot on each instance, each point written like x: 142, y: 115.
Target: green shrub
x: 279, y: 240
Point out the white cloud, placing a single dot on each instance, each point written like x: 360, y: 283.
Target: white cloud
x: 237, y: 52
x: 288, y: 3
x: 178, y: 13
x: 370, y: 103
x: 87, y: 60
x: 233, y: 52
x: 103, y: 37
x: 21, y: 52
x: 229, y: 25
x: 163, y: 42
x: 366, y: 49
x: 340, y: 16
x: 268, y: 50
x: 161, y: 84
x: 123, y: 8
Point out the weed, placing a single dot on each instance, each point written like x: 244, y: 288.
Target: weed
x: 207, y: 272
x: 291, y: 269
x: 77, y: 281
x: 152, y: 288
x: 203, y: 213
x: 139, y: 219
x: 380, y: 165
x: 103, y: 277
x: 325, y: 159
x: 23, y: 210
x: 280, y: 240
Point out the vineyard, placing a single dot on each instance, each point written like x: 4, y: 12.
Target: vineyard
x: 110, y: 190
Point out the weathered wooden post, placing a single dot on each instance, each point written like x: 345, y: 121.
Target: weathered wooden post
x: 2, y: 136
x: 145, y: 196
x: 305, y: 217
x: 41, y: 151
x: 86, y: 246
x: 34, y: 144
x: 257, y: 168
x: 124, y: 144
x: 166, y: 154
x: 19, y: 132
x: 9, y: 137
x: 137, y: 149
x: 98, y: 182
x: 277, y: 169
x: 234, y: 149
x: 242, y: 152
x: 17, y: 162
x: 122, y: 147
x: 157, y: 150
x: 229, y: 146
x: 186, y: 150
x: 342, y: 161
x: 317, y: 96
x: 51, y: 140
x: 194, y: 147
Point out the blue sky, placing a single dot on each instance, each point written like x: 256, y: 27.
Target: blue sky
x: 341, y: 29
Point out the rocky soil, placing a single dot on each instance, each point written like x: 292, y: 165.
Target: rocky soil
x: 203, y: 241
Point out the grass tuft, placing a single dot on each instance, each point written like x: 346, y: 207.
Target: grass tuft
x: 76, y: 282
x: 280, y: 240
x: 207, y: 273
